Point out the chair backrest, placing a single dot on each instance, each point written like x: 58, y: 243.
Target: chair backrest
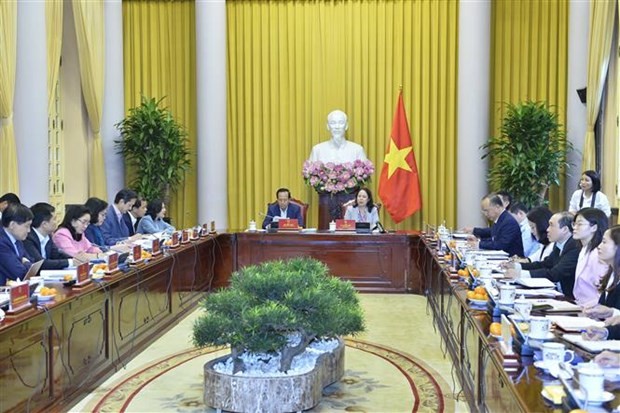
x: 302, y: 205
x: 613, y: 218
x: 351, y: 201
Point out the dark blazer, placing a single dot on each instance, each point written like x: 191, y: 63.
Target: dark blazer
x: 94, y: 235
x: 558, y: 267
x: 504, y: 235
x: 113, y: 231
x: 55, y: 260
x: 292, y: 211
x: 611, y: 299
x: 11, y: 265
x: 130, y: 227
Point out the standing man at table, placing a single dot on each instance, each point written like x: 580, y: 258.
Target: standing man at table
x: 282, y: 208
x: 504, y: 234
x: 14, y: 260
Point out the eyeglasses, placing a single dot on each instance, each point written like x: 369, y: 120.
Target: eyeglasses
x: 84, y: 222
x: 581, y: 224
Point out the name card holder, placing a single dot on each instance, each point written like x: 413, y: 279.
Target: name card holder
x: 174, y: 241
x: 19, y: 299
x: 510, y: 360
x: 155, y: 247
x: 287, y: 224
x: 195, y: 234
x: 136, y: 254
x: 345, y: 225
x: 185, y: 236
x: 82, y: 275
x: 112, y: 264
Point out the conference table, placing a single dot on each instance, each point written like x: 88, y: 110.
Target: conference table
x: 52, y: 355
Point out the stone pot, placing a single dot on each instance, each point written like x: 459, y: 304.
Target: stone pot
x: 292, y: 393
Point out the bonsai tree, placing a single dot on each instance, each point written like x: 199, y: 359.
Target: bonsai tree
x: 154, y: 146
x: 278, y: 307
x: 530, y: 153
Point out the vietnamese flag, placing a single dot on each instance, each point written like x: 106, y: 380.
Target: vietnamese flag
x: 399, y: 185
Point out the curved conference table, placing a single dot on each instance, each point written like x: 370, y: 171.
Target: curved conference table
x: 52, y: 355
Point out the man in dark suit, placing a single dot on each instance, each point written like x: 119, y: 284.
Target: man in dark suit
x: 113, y: 228
x: 134, y: 215
x: 282, y: 209
x: 14, y: 260
x: 39, y: 244
x: 560, y: 265
x: 504, y: 234
x: 6, y: 200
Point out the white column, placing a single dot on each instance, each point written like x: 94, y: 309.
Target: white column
x: 211, y: 100
x: 473, y: 108
x: 578, y: 24
x: 113, y: 99
x: 30, y: 103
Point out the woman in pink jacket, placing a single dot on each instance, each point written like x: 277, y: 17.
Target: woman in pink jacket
x: 589, y: 226
x: 70, y: 237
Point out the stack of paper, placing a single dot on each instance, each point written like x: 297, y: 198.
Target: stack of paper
x: 535, y: 283
x: 576, y: 324
x: 592, y: 346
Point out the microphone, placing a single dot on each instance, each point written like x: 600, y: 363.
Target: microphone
x: 379, y: 227
x: 265, y: 215
x: 272, y: 219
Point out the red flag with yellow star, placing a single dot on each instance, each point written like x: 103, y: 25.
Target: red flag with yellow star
x: 399, y: 185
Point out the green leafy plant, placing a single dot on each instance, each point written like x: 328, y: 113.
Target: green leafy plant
x: 268, y: 304
x: 154, y: 146
x: 530, y: 153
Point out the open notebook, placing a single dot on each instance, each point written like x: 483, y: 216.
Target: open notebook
x: 575, y: 324
x: 592, y: 346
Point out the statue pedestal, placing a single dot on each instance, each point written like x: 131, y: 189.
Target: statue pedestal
x: 330, y: 207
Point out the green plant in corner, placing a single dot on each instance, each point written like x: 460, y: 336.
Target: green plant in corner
x: 530, y: 154
x: 154, y: 146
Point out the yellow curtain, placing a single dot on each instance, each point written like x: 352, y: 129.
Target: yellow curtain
x: 529, y: 62
x: 89, y: 29
x: 602, y: 15
x: 53, y: 29
x: 9, y: 181
x: 291, y: 62
x: 159, y: 57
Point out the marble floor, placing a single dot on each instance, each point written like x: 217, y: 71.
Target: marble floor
x: 396, y: 365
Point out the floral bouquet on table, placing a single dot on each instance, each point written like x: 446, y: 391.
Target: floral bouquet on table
x: 334, y: 178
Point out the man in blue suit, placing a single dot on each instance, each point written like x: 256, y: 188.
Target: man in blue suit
x: 283, y: 209
x: 504, y: 234
x: 113, y: 228
x: 14, y: 260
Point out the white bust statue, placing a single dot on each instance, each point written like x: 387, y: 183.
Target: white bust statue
x: 337, y: 149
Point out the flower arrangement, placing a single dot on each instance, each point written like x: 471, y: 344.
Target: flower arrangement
x: 334, y: 178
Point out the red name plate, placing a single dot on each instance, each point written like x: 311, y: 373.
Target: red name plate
x: 19, y: 296
x: 137, y: 253
x: 82, y: 273
x: 112, y: 262
x: 175, y: 238
x: 155, y: 248
x: 286, y: 223
x: 345, y: 225
x: 185, y: 236
x: 195, y: 233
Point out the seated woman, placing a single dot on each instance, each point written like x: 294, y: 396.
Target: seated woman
x: 153, y: 220
x: 70, y: 238
x: 589, y: 194
x: 609, y: 303
x: 363, y: 208
x: 98, y: 211
x: 589, y: 226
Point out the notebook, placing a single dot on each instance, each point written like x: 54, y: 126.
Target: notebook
x: 592, y: 346
x: 535, y: 282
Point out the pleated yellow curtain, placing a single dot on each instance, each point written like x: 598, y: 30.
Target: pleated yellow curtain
x: 529, y: 61
x: 602, y: 15
x: 9, y: 181
x: 89, y: 29
x: 159, y: 57
x: 53, y: 30
x: 292, y: 62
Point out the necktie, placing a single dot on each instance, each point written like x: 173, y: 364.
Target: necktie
x: 16, y: 248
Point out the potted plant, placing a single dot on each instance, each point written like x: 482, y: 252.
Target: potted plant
x: 271, y: 315
x: 530, y: 152
x: 154, y: 146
